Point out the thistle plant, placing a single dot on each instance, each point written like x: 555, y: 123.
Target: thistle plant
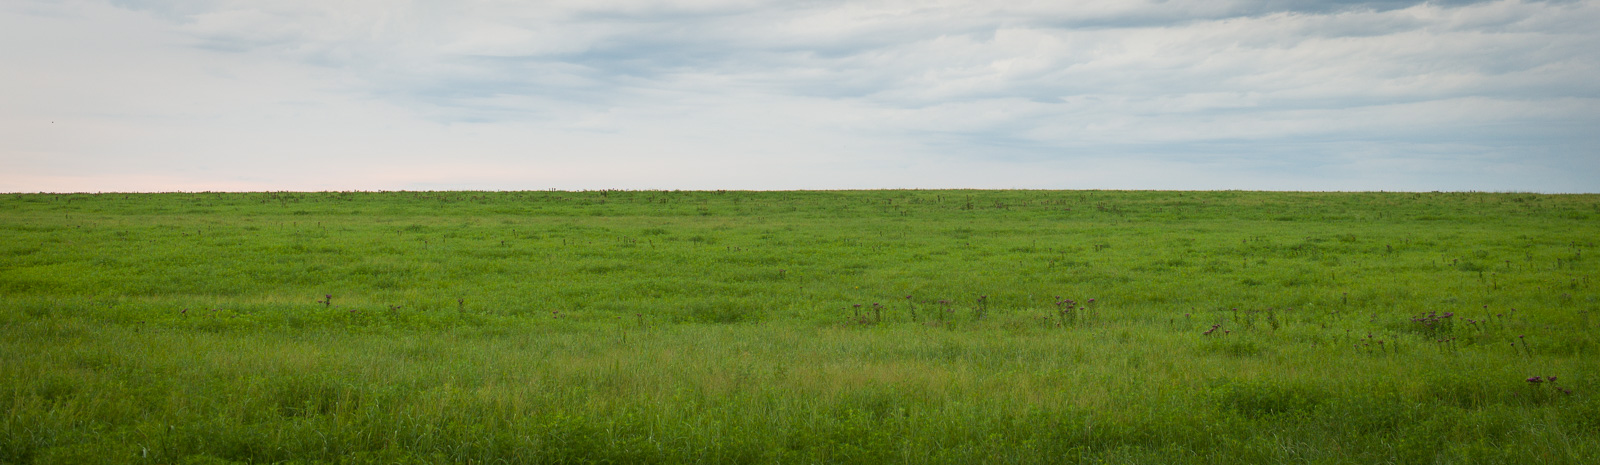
x: 1542, y: 388
x: 1434, y: 324
x: 1065, y: 309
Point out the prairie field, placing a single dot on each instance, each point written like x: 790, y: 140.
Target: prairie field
x: 895, y: 326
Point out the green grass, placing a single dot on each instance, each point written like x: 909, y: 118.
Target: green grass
x: 724, y: 327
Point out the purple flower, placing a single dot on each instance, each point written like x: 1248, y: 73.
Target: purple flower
x: 1535, y: 380
x: 1550, y: 378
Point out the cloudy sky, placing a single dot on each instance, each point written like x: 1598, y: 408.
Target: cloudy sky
x: 148, y: 95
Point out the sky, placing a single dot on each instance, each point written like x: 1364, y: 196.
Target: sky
x: 312, y: 95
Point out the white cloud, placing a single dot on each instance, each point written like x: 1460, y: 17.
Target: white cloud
x: 821, y: 94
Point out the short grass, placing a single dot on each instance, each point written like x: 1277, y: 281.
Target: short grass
x: 799, y: 327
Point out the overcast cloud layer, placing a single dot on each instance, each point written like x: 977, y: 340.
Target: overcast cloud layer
x: 137, y: 95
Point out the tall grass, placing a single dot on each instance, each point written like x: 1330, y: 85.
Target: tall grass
x: 874, y: 326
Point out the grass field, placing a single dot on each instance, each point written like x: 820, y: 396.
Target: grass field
x: 799, y: 327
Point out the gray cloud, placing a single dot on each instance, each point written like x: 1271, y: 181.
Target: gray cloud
x: 1334, y: 93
